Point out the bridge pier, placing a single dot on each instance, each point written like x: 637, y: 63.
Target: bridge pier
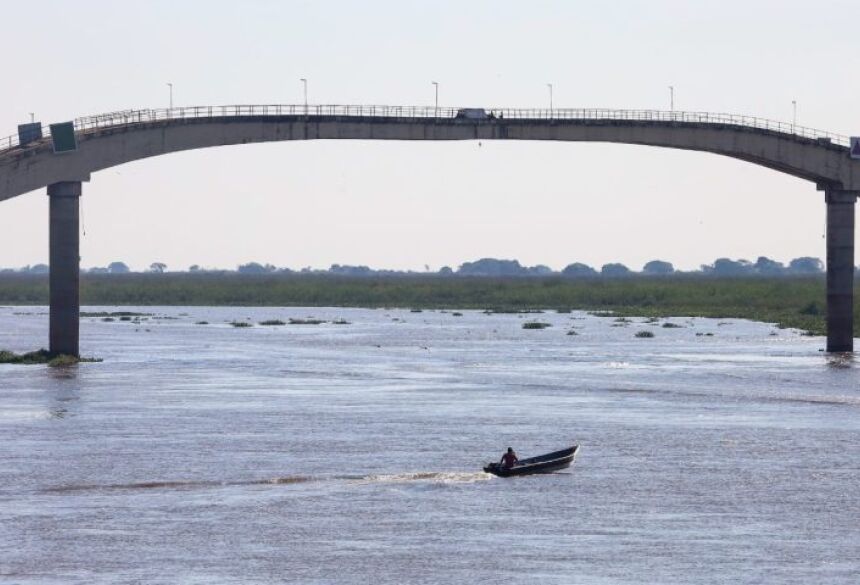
x: 65, y: 267
x: 840, y: 269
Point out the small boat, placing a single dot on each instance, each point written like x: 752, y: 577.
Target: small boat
x: 540, y: 464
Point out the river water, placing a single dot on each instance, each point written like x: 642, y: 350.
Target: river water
x: 352, y: 453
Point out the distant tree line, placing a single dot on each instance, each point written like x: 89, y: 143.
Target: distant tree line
x: 721, y: 267
x: 493, y: 267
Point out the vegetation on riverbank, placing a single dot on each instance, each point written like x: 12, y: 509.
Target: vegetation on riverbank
x: 42, y: 356
x: 790, y: 302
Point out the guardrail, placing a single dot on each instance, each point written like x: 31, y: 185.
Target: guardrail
x: 129, y: 117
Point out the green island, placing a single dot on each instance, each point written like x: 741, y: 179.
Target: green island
x: 797, y: 302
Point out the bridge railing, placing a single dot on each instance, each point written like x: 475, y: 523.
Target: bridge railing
x: 133, y: 117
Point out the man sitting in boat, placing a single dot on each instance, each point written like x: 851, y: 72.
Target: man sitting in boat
x: 509, y: 459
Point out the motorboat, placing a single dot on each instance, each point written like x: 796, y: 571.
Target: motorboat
x: 540, y: 464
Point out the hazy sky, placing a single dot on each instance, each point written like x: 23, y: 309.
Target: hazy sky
x: 406, y: 205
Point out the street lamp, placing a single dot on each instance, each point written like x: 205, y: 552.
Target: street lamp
x: 671, y: 98
x: 436, y: 85
x: 549, y: 85
x: 305, y: 85
x: 170, y: 85
x: 793, y: 115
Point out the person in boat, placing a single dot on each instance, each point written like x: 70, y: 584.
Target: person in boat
x: 509, y: 459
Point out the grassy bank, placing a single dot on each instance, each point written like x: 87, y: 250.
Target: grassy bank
x: 791, y: 302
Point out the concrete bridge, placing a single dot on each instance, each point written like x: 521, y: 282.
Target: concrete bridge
x: 63, y: 156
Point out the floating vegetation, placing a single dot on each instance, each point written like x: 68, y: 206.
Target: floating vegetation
x: 572, y: 332
x: 700, y: 334
x: 509, y: 311
x: 108, y: 319
x: 240, y: 324
x: 644, y: 334
x: 623, y: 320
x: 62, y: 361
x: 202, y: 323
x: 602, y: 313
x: 536, y: 325
x: 114, y: 314
x: 43, y: 356
x: 272, y: 322
x: 563, y: 311
x: 455, y: 314
x: 651, y: 320
x: 668, y: 325
x: 306, y: 321
x: 416, y: 311
x: 125, y: 318
x: 340, y: 321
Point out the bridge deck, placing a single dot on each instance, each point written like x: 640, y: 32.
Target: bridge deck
x: 427, y: 113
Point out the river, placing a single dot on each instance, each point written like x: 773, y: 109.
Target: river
x: 718, y: 451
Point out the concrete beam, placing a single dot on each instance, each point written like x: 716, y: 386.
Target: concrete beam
x: 25, y: 170
x: 65, y: 267
x: 840, y: 269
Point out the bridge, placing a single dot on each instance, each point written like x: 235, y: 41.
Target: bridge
x: 63, y: 156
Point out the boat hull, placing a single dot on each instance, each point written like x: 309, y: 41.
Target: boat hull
x: 541, y: 464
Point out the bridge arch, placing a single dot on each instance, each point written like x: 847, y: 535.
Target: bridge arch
x: 108, y: 140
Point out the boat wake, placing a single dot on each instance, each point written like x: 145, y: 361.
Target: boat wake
x: 431, y: 477
x: 150, y: 485
x: 426, y: 477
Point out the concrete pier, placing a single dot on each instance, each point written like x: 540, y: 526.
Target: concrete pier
x: 840, y: 269
x: 65, y: 267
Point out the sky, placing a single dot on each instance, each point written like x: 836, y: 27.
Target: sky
x: 416, y: 205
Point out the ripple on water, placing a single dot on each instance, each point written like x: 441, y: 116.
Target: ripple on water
x: 218, y: 455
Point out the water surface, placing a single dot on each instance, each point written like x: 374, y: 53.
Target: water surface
x: 351, y: 453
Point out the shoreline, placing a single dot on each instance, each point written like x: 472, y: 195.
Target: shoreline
x: 797, y: 302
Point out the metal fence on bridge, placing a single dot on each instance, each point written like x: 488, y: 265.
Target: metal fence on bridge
x: 132, y: 117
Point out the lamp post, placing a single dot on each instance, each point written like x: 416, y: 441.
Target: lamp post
x: 549, y: 85
x: 671, y: 98
x: 793, y: 115
x: 305, y: 87
x: 170, y: 85
x: 436, y: 106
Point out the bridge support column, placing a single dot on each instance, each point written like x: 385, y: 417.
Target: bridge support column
x: 840, y: 269
x: 65, y: 267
